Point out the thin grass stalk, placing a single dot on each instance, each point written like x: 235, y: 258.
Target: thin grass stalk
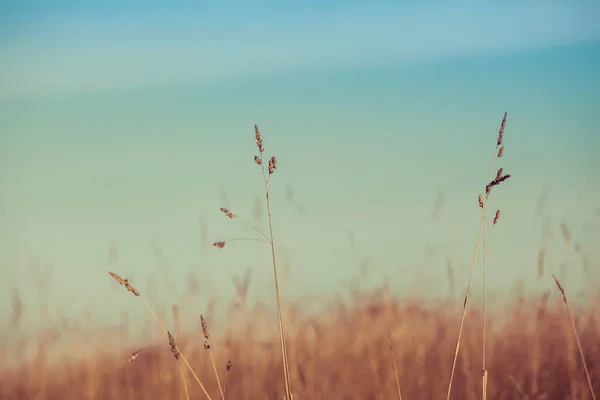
x: 212, y: 359
x: 395, y: 368
x: 252, y: 226
x: 512, y: 380
x: 484, y: 373
x: 227, y: 368
x: 208, y: 347
x: 286, y: 372
x: 585, y: 368
x: 464, y: 311
x: 187, y: 395
x: 475, y: 253
x: 225, y: 384
x: 272, y: 166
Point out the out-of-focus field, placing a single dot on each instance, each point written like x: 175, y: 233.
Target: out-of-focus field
x: 344, y: 353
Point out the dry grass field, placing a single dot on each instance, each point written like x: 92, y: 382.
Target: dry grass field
x: 343, y: 354
x: 376, y: 346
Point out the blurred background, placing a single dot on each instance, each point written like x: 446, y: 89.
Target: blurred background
x: 124, y: 127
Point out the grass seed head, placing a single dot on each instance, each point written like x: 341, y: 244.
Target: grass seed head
x: 495, y: 182
x: 259, y: 142
x: 204, y: 327
x: 227, y: 212
x: 272, y: 165
x: 125, y: 283
x: 480, y: 198
x: 496, y: 217
x: 174, y: 348
x: 219, y: 245
x: 134, y: 355
x: 132, y: 289
x: 257, y: 160
x: 117, y: 278
x: 501, y: 151
x: 228, y: 365
x: 499, y: 174
x: 501, y: 133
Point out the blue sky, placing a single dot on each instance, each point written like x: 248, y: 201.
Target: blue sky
x: 118, y: 46
x: 127, y: 125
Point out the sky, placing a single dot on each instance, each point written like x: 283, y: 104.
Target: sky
x: 128, y: 127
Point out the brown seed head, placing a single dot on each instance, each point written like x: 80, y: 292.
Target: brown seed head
x: 499, y: 174
x: 501, y: 151
x: 125, y: 283
x: 562, y: 291
x: 204, y: 326
x: 272, y: 165
x: 258, y: 139
x: 496, y: 217
x: 206, y: 345
x: 174, y: 348
x: 495, y: 182
x: 134, y: 355
x: 219, y: 245
x: 228, y: 365
x: 257, y: 160
x: 117, y: 278
x: 480, y: 201
x: 132, y: 289
x: 227, y: 212
x: 501, y: 133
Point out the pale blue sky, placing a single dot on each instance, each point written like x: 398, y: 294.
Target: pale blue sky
x: 122, y: 124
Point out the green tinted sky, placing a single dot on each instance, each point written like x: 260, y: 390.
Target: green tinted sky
x: 129, y: 126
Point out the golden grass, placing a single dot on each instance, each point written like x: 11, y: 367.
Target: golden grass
x: 344, y: 354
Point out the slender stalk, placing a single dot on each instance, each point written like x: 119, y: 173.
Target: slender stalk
x: 484, y: 204
x: 187, y: 395
x: 272, y: 166
x: 585, y: 368
x: 252, y: 239
x: 212, y: 359
x: 252, y: 226
x: 286, y: 374
x: 225, y: 382
x: 464, y: 311
x: 484, y: 373
x: 518, y: 387
x: 395, y: 369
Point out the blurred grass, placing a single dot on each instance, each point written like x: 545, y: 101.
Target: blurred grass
x: 340, y: 354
